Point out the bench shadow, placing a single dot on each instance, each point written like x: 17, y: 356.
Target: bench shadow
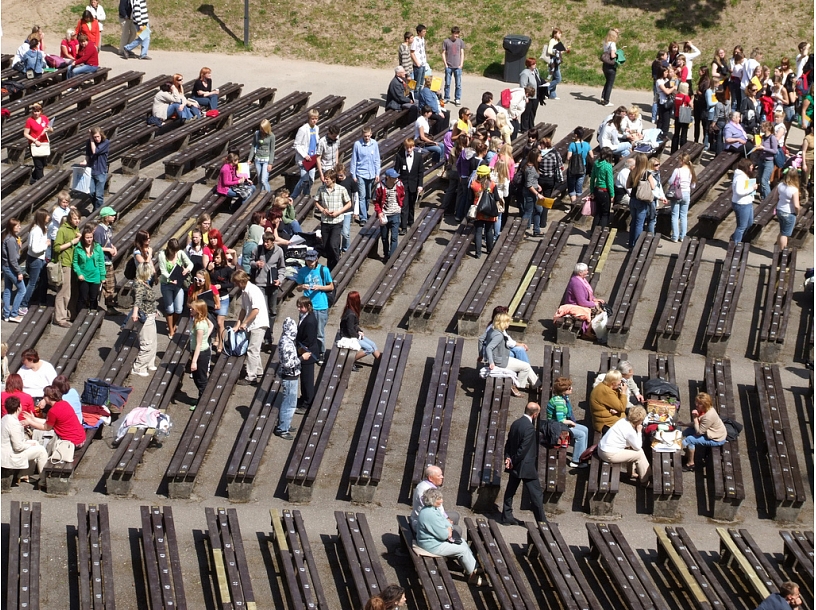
x: 344, y: 489
x: 734, y: 587
x: 209, y: 11
x: 699, y: 346
x: 537, y: 580
x: 139, y: 578
x: 104, y: 352
x: 596, y: 576
x: 804, y: 416
x: 804, y: 301
x: 336, y: 563
x: 671, y: 592
x: 755, y: 445
x: 406, y: 489
x: 73, y: 565
x: 200, y: 543
x: 468, y: 375
x: 397, y: 557
x: 5, y: 528
x: 651, y: 337
x: 270, y: 563
x: 221, y: 489
x: 758, y: 314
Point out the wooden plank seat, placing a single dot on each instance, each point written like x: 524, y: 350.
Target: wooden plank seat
x: 667, y: 468
x: 537, y: 276
x: 594, y: 257
x: 57, y: 476
x: 718, y: 210
x: 564, y: 575
x: 130, y: 451
x: 432, y: 447
x: 254, y: 436
x: 681, y: 279
x: 362, y: 562
x: 209, y: 204
x: 488, y: 454
x: 676, y: 550
x: 13, y: 178
x: 432, y: 571
x: 76, y: 341
x: 316, y: 427
x: 302, y: 580
x: 396, y: 267
x: 371, y: 444
x: 552, y: 461
x: 501, y: 569
x: 724, y: 306
x: 5, y: 60
x: 711, y: 174
x: 803, y: 226
x: 198, y: 434
x: 216, y: 145
x: 631, y: 282
x: 738, y: 556
x: 797, y: 552
x: 23, y: 567
x: 778, y: 300
x: 428, y: 297
x: 129, y: 195
x: 164, y: 582
x: 764, y: 213
x: 27, y: 333
x: 23, y: 203
x: 231, y: 573
x: 788, y: 485
x: 635, y: 588
x: 180, y: 137
x: 488, y: 277
x: 352, y: 259
x: 95, y: 558
x: 28, y: 86
x: 723, y: 467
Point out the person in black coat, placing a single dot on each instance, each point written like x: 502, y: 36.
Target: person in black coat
x: 408, y: 163
x: 308, y: 348
x: 520, y: 461
x: 398, y: 97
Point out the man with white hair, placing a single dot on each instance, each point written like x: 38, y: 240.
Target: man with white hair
x: 398, y: 96
x: 627, y: 372
x: 621, y: 192
x: 433, y: 479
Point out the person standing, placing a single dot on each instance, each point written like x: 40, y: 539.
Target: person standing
x: 639, y: 208
x: 289, y: 370
x: 365, y: 169
x: 602, y: 187
x: 103, y: 235
x: 328, y: 152
x: 530, y: 79
x: 610, y: 66
x: 128, y: 27
x: 408, y: 163
x: 419, y: 57
x: 141, y: 23
x: 307, y: 349
x: 743, y: 191
x: 12, y: 272
x: 267, y: 267
x: 200, y: 346
x: 89, y: 267
x: 144, y: 304
x: 315, y: 282
x: 453, y: 56
x: 263, y: 153
x: 332, y: 202
x: 305, y: 145
x: 38, y: 244
x: 96, y: 157
x: 36, y: 130
x: 683, y: 179
x: 404, y: 53
x: 389, y: 202
x: 62, y: 249
x: 254, y: 319
x: 552, y: 53
x: 520, y: 452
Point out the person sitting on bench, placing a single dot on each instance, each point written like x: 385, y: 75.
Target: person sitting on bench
x: 708, y: 430
x: 350, y: 329
x: 59, y: 417
x: 608, y: 401
x: 623, y: 444
x: 433, y: 479
x: 559, y: 408
x: 17, y: 452
x: 33, y: 59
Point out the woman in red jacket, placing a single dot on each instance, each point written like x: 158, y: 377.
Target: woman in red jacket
x: 89, y: 26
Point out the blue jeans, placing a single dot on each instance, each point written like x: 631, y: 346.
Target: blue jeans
x: 322, y: 316
x: 173, y: 297
x: 368, y: 346
x: 35, y: 267
x: 651, y: 217
x: 692, y: 439
x: 11, y: 283
x: 365, y: 192
x: 765, y: 168
x: 539, y: 218
x: 304, y: 185
x: 519, y: 353
x: 575, y: 185
x: 679, y: 211
x: 288, y: 404
x: 209, y: 102
x: 294, y: 227
x: 419, y: 77
x: 528, y: 203
x: 81, y: 69
x: 624, y: 149
x: 345, y: 233
x: 457, y: 74
x: 638, y: 209
x: 98, y: 190
x: 654, y: 102
x: 580, y: 436
x: 435, y: 149
x: 138, y: 41
x: 555, y: 78
x: 392, y: 227
x: 262, y: 172
x: 745, y: 218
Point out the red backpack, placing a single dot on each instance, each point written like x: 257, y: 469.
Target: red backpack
x: 505, y: 98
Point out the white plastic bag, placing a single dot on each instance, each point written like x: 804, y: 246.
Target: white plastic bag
x: 598, y: 325
x: 81, y: 179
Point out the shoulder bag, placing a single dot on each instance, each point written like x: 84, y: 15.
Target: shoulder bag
x: 685, y: 115
x: 63, y: 451
x: 644, y: 189
x: 54, y: 270
x: 43, y: 150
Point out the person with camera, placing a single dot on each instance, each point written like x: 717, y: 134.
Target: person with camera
x: 608, y: 401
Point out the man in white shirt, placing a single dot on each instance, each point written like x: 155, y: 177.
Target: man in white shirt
x: 419, y: 58
x: 306, y: 146
x: 254, y: 319
x: 621, y: 192
x: 750, y: 66
x: 433, y: 478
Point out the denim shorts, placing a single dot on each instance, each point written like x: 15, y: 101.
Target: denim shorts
x: 225, y: 301
x: 786, y: 223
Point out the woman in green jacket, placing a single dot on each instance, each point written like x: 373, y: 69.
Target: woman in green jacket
x: 89, y: 266
x: 62, y: 250
x: 602, y: 187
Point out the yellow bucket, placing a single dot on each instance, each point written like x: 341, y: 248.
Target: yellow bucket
x: 548, y: 202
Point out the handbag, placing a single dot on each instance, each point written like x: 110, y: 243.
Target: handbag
x: 588, y: 208
x: 243, y: 190
x: 43, y: 150
x: 608, y: 59
x: 644, y: 190
x: 487, y: 205
x: 673, y: 191
x: 685, y: 115
x: 780, y: 158
x: 668, y: 104
x: 54, y: 271
x: 95, y: 392
x: 63, y: 451
x: 471, y: 213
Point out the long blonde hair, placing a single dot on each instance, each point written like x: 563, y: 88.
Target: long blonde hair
x: 686, y: 160
x: 636, y: 175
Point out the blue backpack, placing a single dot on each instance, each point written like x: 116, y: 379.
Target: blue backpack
x: 236, y: 342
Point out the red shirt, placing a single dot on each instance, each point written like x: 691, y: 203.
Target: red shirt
x: 36, y: 127
x: 89, y: 55
x: 680, y: 99
x: 26, y: 403
x: 63, y: 420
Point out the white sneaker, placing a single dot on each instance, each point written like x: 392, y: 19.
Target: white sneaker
x: 139, y: 373
x: 609, y: 104
x: 152, y: 368
x: 579, y: 465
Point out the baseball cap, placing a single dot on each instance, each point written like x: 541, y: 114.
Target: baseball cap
x: 311, y: 255
x: 483, y: 170
x: 107, y: 211
x: 391, y: 173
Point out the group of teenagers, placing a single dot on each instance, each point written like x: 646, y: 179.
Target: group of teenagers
x: 78, y: 51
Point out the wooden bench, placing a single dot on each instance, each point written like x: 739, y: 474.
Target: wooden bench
x: 631, y: 281
x: 499, y: 565
x: 712, y: 173
x: 786, y: 476
x: 490, y: 273
x: 76, y: 341
x: 778, y: 299
x: 121, y: 468
x: 432, y: 570
x: 724, y: 306
x: 254, y: 437
x: 132, y: 193
x: 428, y: 297
x: 370, y: 448
x: 667, y: 167
x: 488, y: 455
x: 798, y: 552
x: 681, y: 279
x: 635, y: 588
x: 14, y: 177
x: 395, y: 269
x: 676, y: 550
x: 362, y: 562
x: 563, y: 574
x: 709, y: 219
x: 200, y: 430
x: 303, y: 587
x: 764, y: 213
x: 803, y: 227
x: 594, y: 257
x: 537, y: 276
x: 209, y: 204
x: 57, y: 476
x: 316, y: 427
x: 723, y: 468
x: 23, y: 568
x: 738, y: 556
x: 95, y: 557
x: 231, y: 572
x: 164, y: 582
x: 432, y: 448
x: 26, y: 86
x: 552, y: 461
x: 27, y: 333
x: 667, y: 468
x: 38, y: 194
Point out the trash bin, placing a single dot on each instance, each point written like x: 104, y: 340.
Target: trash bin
x: 515, y: 52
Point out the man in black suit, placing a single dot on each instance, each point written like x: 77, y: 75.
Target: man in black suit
x: 398, y: 96
x: 408, y: 163
x: 520, y: 461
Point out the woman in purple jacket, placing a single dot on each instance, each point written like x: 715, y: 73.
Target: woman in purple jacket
x: 579, y: 292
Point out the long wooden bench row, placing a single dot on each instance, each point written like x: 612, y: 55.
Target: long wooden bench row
x: 488, y: 456
x: 13, y: 178
x: 726, y: 299
x: 667, y: 468
x: 778, y: 300
x: 552, y: 461
x: 27, y: 333
x: 681, y: 277
x: 24, y: 202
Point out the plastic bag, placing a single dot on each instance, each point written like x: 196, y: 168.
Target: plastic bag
x: 598, y: 325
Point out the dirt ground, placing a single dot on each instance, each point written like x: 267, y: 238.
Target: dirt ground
x: 58, y: 581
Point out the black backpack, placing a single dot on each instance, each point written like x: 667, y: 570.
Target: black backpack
x: 577, y: 167
x: 130, y: 269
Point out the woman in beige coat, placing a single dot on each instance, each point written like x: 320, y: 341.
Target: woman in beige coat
x: 16, y: 450
x: 608, y: 401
